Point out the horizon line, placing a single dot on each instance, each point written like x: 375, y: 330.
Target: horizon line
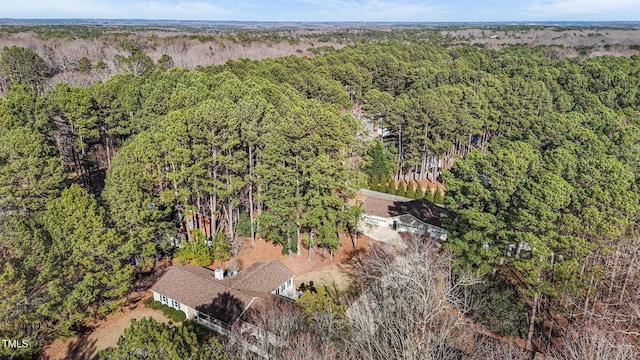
x: 515, y: 22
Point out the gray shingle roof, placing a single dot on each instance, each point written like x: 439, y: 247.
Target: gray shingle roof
x: 423, y: 210
x: 196, y: 287
x: 261, y: 276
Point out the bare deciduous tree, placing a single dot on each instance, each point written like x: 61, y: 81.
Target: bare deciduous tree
x: 594, y: 343
x: 488, y: 348
x: 277, y: 329
x: 411, y: 306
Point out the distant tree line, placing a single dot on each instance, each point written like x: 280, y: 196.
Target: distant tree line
x: 539, y: 158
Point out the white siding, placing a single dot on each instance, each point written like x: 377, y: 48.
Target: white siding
x: 174, y: 304
x: 375, y: 220
x: 285, y: 289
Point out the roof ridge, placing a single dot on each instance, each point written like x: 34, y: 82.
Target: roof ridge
x: 213, y: 281
x: 255, y: 272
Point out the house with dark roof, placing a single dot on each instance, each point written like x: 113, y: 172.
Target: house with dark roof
x: 416, y: 216
x: 216, y: 301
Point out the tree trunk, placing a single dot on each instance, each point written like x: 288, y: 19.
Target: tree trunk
x: 588, y: 295
x: 229, y: 209
x: 200, y: 212
x: 626, y: 278
x: 354, y: 237
x: 212, y: 207
x: 311, y: 237
x: 258, y: 207
x: 298, y: 236
x: 423, y: 164
x: 108, y: 152
x: 175, y: 194
x: 532, y: 320
x: 229, y: 212
x: 251, y: 220
x: 614, y: 271
x: 189, y: 222
x: 298, y: 225
x: 534, y: 309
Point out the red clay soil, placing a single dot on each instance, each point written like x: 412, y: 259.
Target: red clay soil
x: 104, y: 335
x: 106, y: 331
x: 264, y: 250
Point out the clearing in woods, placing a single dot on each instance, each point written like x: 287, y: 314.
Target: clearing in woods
x: 322, y: 270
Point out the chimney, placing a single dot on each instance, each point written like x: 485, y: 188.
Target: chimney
x: 219, y: 274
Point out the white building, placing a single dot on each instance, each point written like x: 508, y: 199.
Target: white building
x: 416, y: 216
x: 216, y: 301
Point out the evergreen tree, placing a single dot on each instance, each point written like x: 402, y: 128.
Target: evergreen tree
x: 149, y: 339
x: 438, y: 197
x: 402, y: 189
x: 378, y: 161
x: 84, y: 65
x: 391, y: 187
x: 30, y: 171
x: 375, y: 182
x: 430, y: 194
x: 23, y: 67
x: 411, y: 191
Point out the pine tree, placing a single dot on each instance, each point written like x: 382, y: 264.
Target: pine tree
x: 411, y: 191
x: 23, y: 67
x: 402, y: 189
x: 163, y: 341
x: 430, y: 194
x: 438, y: 197
x: 419, y: 193
x: 374, y: 182
x: 391, y: 187
x: 379, y: 162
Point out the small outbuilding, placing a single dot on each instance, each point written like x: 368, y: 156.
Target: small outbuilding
x: 400, y: 214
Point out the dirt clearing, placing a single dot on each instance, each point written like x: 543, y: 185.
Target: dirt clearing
x: 104, y: 335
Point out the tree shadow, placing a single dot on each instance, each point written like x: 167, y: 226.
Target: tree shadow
x: 82, y: 349
x: 225, y: 307
x: 424, y: 210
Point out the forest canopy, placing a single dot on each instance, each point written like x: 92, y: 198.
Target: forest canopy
x: 539, y: 157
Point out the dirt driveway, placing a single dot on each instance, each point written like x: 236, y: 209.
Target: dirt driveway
x: 322, y: 270
x: 104, y: 336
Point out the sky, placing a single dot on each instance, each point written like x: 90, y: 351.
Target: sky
x: 327, y: 10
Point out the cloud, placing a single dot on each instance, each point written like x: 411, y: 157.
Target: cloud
x: 601, y: 8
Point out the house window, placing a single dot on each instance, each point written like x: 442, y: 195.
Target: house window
x: 175, y: 304
x: 163, y: 299
x: 278, y: 291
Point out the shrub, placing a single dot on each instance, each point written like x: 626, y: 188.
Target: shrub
x: 168, y: 311
x: 198, y: 252
x: 179, y: 316
x: 155, y: 305
x: 174, y: 315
